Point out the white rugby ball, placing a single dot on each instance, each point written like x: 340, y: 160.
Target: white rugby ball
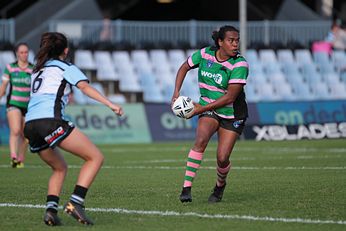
x: 183, y: 107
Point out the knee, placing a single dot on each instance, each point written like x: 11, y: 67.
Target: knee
x: 62, y: 168
x: 98, y: 158
x: 101, y: 159
x: 223, y: 161
x: 16, y: 132
x: 200, y: 144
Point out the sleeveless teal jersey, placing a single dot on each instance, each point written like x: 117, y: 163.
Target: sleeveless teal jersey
x: 214, y: 78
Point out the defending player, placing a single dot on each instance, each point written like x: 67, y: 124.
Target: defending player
x: 46, y: 127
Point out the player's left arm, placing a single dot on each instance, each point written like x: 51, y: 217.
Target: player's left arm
x: 96, y: 95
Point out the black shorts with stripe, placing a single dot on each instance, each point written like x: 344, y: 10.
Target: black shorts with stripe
x: 46, y: 133
x: 236, y: 125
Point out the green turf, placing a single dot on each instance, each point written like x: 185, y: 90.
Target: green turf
x: 281, y: 180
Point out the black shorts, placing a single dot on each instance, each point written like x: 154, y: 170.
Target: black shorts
x: 236, y: 125
x: 13, y: 107
x: 45, y: 133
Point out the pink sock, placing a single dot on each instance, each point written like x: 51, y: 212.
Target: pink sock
x: 13, y: 156
x: 21, y: 158
x: 222, y: 175
x: 193, y: 162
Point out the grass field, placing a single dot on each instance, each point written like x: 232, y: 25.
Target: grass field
x: 292, y: 185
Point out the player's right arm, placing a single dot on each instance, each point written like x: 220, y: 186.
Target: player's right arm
x: 181, y: 74
x: 3, y: 86
x: 192, y: 62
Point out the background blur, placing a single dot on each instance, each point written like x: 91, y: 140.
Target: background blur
x: 132, y: 49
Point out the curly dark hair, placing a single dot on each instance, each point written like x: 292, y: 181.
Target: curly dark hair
x: 220, y: 34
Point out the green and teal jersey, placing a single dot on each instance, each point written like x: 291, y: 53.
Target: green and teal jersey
x: 214, y: 78
x: 19, y: 80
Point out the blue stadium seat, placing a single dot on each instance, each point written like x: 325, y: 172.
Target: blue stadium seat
x: 267, y: 56
x: 320, y: 91
x: 302, y: 91
x: 251, y: 56
x: 167, y: 92
x: 152, y: 94
x: 141, y: 61
x: 285, y: 92
x: 331, y: 78
x: 339, y: 60
x: 277, y: 79
x: 303, y: 56
x: 6, y: 57
x: 121, y: 58
x: 267, y: 93
x: 256, y: 68
x: 337, y: 91
x: 257, y: 79
x: 104, y: 66
x: 84, y: 59
x: 285, y: 56
x: 294, y: 78
x: 100, y: 89
x: 251, y: 93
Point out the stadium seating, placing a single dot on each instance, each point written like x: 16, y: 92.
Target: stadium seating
x: 104, y: 66
x: 303, y: 56
x: 5, y: 58
x: 285, y: 56
x: 84, y: 59
x: 281, y: 75
x: 339, y: 60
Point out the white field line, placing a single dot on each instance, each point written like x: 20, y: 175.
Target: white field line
x: 239, y: 158
x: 190, y: 214
x: 236, y: 149
x: 275, y: 150
x: 202, y: 167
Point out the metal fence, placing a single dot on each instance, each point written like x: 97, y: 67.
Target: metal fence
x: 7, y: 30
x: 193, y: 32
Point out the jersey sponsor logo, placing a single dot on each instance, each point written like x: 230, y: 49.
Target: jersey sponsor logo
x: 210, y: 113
x: 210, y: 63
x: 22, y: 80
x: 216, y: 77
x: 54, y: 135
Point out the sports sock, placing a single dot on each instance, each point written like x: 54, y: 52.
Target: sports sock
x: 193, y: 162
x: 79, y: 194
x: 13, y: 156
x: 52, y: 203
x: 21, y: 158
x: 222, y: 175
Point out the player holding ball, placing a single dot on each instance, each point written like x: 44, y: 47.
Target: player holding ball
x: 222, y: 108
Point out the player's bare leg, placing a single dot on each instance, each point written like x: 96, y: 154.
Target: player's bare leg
x: 56, y: 161
x: 205, y: 129
x: 226, y: 142
x: 79, y: 144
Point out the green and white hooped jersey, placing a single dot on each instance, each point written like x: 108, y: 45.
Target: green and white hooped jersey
x: 214, y: 78
x: 19, y: 80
